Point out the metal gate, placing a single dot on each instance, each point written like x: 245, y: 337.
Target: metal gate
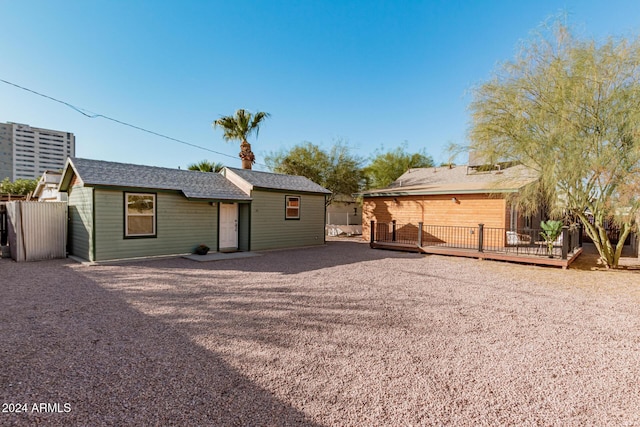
x: 37, y: 230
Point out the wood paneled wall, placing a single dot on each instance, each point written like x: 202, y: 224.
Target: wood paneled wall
x: 469, y: 210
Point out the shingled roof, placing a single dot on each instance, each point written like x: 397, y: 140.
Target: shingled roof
x: 194, y: 185
x: 277, y: 181
x: 456, y: 180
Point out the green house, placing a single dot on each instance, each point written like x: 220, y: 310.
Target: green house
x: 121, y: 211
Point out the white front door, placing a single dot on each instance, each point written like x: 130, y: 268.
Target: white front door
x: 228, y: 226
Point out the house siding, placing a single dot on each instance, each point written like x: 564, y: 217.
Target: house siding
x: 181, y: 225
x: 270, y: 229
x: 80, y: 228
x: 471, y: 210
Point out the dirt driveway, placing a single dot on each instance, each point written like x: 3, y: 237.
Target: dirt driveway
x: 332, y: 336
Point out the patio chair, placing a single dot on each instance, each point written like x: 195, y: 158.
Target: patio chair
x: 515, y: 239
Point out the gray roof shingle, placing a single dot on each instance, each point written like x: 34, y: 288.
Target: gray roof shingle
x: 196, y: 185
x: 279, y: 181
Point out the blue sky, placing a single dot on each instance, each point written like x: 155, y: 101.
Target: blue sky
x: 372, y: 74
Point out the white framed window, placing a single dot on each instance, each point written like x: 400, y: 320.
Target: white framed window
x: 292, y: 208
x: 140, y: 215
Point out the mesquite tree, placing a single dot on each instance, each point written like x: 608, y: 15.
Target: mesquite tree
x: 570, y: 110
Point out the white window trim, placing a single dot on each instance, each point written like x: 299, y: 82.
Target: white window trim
x: 287, y: 207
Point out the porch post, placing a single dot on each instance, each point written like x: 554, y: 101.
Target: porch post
x: 565, y: 241
x: 419, y: 234
x: 480, y: 237
x: 372, y: 232
x: 393, y: 230
x: 580, y: 237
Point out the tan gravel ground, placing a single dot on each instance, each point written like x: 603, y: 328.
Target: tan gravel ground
x: 338, y: 335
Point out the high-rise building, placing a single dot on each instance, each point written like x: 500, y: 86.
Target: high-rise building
x: 26, y: 152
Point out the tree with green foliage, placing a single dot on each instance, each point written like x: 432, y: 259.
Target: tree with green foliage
x: 386, y: 167
x: 570, y: 110
x: 337, y: 170
x: 18, y: 187
x: 206, y: 166
x: 238, y: 128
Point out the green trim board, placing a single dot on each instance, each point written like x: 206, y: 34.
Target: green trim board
x: 93, y: 255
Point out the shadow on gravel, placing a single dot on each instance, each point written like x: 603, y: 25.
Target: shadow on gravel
x: 289, y: 261
x: 589, y: 260
x: 66, y: 339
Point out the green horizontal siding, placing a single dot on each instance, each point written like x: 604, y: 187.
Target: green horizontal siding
x: 80, y: 204
x: 270, y: 230
x: 181, y: 226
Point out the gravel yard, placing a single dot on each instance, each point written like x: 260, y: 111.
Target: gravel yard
x: 340, y: 335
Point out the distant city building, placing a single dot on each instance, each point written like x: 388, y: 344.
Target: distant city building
x: 27, y: 152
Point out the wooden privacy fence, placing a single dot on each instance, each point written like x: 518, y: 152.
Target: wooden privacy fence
x: 37, y: 230
x: 478, y: 239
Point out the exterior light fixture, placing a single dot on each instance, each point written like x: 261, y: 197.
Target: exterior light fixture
x: 454, y: 200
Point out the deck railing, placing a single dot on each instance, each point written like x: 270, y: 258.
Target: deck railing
x: 527, y: 242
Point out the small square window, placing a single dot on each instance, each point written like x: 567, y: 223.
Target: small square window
x: 292, y: 209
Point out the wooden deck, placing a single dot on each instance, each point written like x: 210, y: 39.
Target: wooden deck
x: 510, y: 254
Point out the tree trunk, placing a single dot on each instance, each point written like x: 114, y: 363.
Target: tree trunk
x: 247, y: 156
x: 624, y: 233
x: 609, y: 255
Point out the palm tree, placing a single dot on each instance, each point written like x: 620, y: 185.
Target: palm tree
x: 206, y: 166
x: 238, y: 127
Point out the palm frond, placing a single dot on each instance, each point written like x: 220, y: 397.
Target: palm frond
x: 240, y: 125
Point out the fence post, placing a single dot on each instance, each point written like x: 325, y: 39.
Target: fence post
x: 372, y: 232
x: 419, y: 234
x: 565, y: 241
x: 393, y: 230
x: 480, y: 237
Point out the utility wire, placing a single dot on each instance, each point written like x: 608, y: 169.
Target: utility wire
x: 92, y: 115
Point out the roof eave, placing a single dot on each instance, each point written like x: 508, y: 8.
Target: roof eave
x: 438, y: 192
x: 291, y: 190
x: 219, y: 199
x: 67, y: 173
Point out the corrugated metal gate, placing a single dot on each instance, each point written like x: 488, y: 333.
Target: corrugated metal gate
x: 37, y: 230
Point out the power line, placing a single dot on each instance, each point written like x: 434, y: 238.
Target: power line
x: 92, y: 115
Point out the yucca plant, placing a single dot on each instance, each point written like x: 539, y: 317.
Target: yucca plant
x: 550, y: 232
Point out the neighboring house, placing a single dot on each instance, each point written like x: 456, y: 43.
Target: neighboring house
x: 285, y: 210
x: 456, y: 196
x: 47, y: 188
x: 121, y: 210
